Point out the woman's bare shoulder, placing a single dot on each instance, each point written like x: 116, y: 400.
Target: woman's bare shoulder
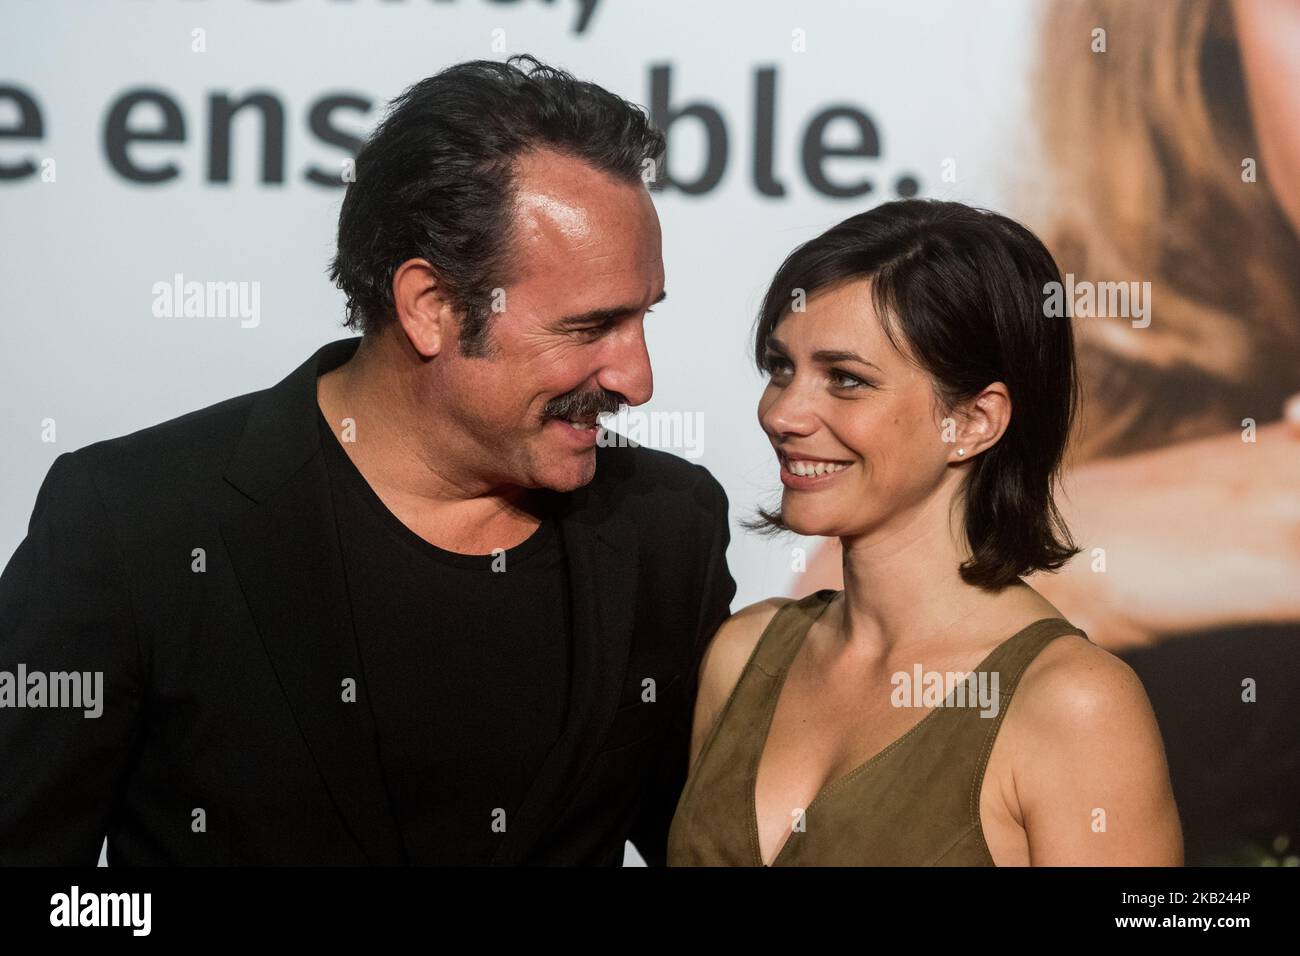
x: 726, y: 656
x: 1073, y: 682
x: 1073, y: 677
x: 736, y: 639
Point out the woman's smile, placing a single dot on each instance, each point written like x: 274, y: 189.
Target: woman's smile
x: 804, y: 473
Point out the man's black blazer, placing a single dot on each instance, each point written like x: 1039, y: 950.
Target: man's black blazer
x: 224, y: 738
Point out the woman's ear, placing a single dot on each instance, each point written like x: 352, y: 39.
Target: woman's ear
x: 981, y: 422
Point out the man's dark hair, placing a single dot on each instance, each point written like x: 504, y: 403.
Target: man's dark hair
x: 435, y: 179
x: 963, y: 288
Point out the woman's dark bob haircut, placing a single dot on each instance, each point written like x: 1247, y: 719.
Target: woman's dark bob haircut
x: 960, y: 291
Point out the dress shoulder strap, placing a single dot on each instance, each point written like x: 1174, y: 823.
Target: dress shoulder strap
x: 780, y: 639
x: 1011, y: 657
x: 736, y: 724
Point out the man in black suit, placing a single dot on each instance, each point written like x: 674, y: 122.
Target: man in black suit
x: 410, y: 605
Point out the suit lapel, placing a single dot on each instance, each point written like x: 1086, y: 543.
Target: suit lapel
x: 286, y: 555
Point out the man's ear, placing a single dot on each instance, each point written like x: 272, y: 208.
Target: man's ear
x: 982, y: 421
x: 423, y: 307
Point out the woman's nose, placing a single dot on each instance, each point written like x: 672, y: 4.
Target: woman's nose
x: 788, y: 412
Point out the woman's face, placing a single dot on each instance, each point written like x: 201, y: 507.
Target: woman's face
x: 1268, y: 36
x: 841, y: 398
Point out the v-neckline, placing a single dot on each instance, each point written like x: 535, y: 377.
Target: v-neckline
x: 832, y: 785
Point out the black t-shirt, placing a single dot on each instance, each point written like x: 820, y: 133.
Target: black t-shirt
x: 467, y: 667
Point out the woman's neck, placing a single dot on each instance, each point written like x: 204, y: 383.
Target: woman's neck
x: 902, y: 587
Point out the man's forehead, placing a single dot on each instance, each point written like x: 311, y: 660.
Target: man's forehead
x: 577, y: 218
x: 544, y: 217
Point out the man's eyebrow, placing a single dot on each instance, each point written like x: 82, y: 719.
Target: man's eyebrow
x: 824, y: 356
x: 599, y: 316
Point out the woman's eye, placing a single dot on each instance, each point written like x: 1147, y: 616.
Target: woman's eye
x: 845, y: 380
x: 776, y: 367
x: 780, y: 368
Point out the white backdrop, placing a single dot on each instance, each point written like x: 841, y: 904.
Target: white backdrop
x: 80, y: 255
x: 81, y: 246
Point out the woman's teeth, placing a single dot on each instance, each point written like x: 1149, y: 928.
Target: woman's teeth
x: 810, y: 469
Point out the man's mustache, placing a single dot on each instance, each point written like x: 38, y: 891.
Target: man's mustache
x: 584, y: 404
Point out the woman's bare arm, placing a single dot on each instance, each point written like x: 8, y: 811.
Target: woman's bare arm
x: 1088, y: 763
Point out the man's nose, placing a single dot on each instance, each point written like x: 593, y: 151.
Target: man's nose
x: 627, y: 369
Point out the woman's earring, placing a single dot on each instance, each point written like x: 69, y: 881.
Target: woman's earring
x: 961, y: 451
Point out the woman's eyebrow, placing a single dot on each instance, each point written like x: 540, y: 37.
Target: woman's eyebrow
x: 825, y: 356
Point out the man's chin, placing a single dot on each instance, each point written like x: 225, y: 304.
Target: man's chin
x: 566, y: 457
x: 569, y: 472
